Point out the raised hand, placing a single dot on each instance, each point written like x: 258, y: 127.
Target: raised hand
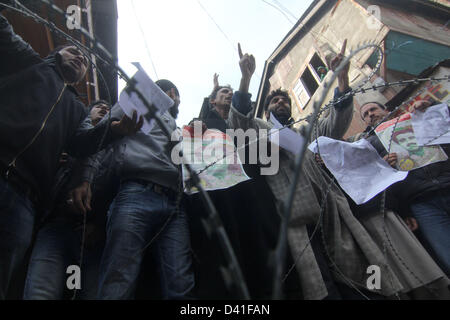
x: 339, y: 58
x: 343, y: 75
x: 246, y: 63
x: 198, y: 122
x: 391, y: 159
x: 216, y: 80
x: 421, y: 105
x: 127, y: 126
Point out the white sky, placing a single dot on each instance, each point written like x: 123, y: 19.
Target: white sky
x: 188, y: 48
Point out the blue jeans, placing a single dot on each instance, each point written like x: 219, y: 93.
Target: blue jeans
x: 16, y: 229
x: 57, y: 246
x: 433, y: 216
x: 136, y: 216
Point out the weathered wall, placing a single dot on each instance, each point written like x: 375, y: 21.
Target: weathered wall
x: 349, y: 20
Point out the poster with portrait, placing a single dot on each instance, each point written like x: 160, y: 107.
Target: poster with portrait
x: 213, y: 156
x: 397, y: 136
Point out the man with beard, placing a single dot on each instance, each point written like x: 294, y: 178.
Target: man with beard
x: 425, y: 193
x: 346, y: 248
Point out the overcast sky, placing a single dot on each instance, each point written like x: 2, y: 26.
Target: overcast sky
x: 187, y: 47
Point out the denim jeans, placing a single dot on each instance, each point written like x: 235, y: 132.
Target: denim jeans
x: 136, y: 216
x: 433, y: 216
x: 57, y: 246
x: 16, y: 228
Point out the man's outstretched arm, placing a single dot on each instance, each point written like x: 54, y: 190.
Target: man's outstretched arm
x: 336, y: 124
x: 86, y: 141
x: 15, y: 53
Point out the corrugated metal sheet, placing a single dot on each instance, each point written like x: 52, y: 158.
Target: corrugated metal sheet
x: 411, y: 55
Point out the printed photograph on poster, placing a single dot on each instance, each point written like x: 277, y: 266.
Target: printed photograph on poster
x: 410, y: 154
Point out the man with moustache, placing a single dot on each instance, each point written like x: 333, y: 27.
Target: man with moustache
x: 347, y: 246
x: 425, y: 193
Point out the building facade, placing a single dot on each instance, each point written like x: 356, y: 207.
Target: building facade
x: 413, y: 35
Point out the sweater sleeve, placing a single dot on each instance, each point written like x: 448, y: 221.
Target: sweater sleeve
x: 242, y: 102
x: 336, y: 124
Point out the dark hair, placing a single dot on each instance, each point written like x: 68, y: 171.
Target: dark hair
x: 401, y: 131
x: 382, y: 106
x: 166, y: 85
x: 62, y: 46
x: 216, y: 90
x: 58, y: 49
x: 274, y: 93
x: 96, y: 102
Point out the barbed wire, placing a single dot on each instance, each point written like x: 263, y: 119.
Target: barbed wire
x: 360, y: 89
x: 337, y: 101
x: 281, y: 247
x: 236, y: 274
x: 382, y: 206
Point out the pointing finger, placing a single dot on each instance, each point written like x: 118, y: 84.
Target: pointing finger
x: 140, y: 123
x: 240, y: 50
x: 344, y: 46
x: 134, y: 118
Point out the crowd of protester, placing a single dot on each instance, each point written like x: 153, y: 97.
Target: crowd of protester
x: 84, y: 186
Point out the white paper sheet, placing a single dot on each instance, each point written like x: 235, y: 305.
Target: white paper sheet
x: 151, y: 92
x: 357, y: 167
x: 286, y: 138
x: 432, y: 127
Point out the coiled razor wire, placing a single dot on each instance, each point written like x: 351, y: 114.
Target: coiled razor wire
x: 383, y: 209
x: 82, y: 48
x: 280, y: 251
x: 315, y: 116
x: 339, y: 100
x: 361, y: 89
x: 235, y: 270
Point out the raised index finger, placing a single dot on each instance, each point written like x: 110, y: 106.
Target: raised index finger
x: 240, y: 51
x: 344, y: 46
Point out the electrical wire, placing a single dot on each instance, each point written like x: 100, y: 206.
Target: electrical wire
x: 375, y: 87
x: 282, y: 7
x: 217, y: 25
x: 144, y: 38
x: 279, y: 10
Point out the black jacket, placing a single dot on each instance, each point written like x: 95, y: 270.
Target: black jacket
x: 213, y: 120
x: 29, y: 87
x: 425, y: 181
